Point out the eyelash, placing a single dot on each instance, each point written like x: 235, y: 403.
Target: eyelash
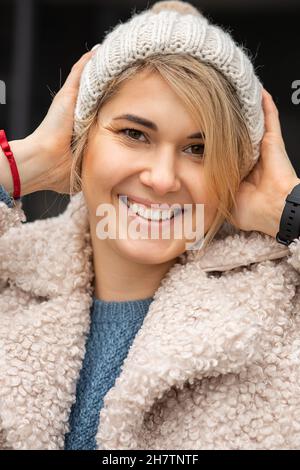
x: 140, y: 132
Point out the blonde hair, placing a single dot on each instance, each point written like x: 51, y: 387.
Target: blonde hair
x: 214, y: 105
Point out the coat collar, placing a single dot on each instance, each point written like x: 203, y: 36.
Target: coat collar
x: 50, y: 257
x: 197, y: 325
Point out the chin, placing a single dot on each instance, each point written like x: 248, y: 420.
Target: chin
x: 147, y: 251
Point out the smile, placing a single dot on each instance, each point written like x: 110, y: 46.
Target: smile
x: 155, y: 215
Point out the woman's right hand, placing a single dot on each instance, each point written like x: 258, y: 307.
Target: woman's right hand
x: 44, y: 158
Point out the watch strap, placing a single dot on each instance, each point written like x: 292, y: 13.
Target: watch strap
x: 289, y: 227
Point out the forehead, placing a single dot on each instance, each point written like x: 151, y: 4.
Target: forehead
x: 149, y: 95
x: 145, y: 84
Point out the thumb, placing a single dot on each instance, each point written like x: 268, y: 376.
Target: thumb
x: 72, y: 82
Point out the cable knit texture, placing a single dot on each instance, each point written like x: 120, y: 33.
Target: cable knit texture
x: 173, y: 27
x: 214, y: 365
x: 113, y: 328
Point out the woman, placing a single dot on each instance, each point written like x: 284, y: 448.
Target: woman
x: 111, y: 343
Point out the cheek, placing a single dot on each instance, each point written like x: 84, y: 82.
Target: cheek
x: 103, y: 165
x: 199, y: 189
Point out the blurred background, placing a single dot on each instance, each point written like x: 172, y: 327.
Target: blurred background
x: 40, y: 40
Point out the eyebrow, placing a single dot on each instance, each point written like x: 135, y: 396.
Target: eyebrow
x: 151, y: 125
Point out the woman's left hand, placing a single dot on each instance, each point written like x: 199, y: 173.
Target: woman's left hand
x: 261, y: 195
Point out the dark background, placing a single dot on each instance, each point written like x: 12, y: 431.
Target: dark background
x: 40, y: 40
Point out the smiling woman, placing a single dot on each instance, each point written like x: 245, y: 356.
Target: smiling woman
x: 183, y: 95
x: 110, y: 343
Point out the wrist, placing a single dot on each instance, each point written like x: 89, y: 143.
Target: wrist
x: 290, y: 219
x: 276, y: 209
x: 5, y: 173
x: 28, y: 157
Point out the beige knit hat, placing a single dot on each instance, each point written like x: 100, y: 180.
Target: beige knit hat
x: 170, y: 27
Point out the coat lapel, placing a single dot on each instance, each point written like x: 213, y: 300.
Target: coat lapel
x: 46, y: 293
x: 196, y: 327
x: 233, y: 248
x: 42, y: 349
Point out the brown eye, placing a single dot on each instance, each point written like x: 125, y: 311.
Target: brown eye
x: 200, y: 147
x: 132, y: 131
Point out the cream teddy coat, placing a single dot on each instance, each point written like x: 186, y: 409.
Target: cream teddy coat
x: 215, y: 365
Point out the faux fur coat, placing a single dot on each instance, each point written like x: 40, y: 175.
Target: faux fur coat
x: 215, y: 365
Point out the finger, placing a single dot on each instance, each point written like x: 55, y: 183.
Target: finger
x: 73, y: 79
x: 272, y: 122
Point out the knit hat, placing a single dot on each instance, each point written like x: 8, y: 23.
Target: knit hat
x: 171, y: 27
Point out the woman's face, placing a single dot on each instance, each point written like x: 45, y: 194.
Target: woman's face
x: 158, y: 162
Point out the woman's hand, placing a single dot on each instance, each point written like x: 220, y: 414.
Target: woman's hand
x: 261, y: 195
x: 55, y: 131
x: 44, y: 158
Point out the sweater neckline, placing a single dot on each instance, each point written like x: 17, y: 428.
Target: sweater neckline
x: 97, y: 300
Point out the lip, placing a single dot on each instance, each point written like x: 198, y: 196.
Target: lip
x: 146, y: 222
x: 148, y: 203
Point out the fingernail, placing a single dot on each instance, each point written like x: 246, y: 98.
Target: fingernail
x: 95, y: 48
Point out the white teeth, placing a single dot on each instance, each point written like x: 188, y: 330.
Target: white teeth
x: 152, y: 214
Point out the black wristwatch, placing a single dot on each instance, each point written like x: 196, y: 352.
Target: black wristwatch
x: 289, y: 227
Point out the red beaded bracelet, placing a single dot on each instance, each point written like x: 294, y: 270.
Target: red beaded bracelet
x: 13, y: 166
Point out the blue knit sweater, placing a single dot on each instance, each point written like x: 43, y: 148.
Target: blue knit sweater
x: 112, y: 331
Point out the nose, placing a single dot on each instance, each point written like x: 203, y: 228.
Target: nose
x: 161, y: 174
